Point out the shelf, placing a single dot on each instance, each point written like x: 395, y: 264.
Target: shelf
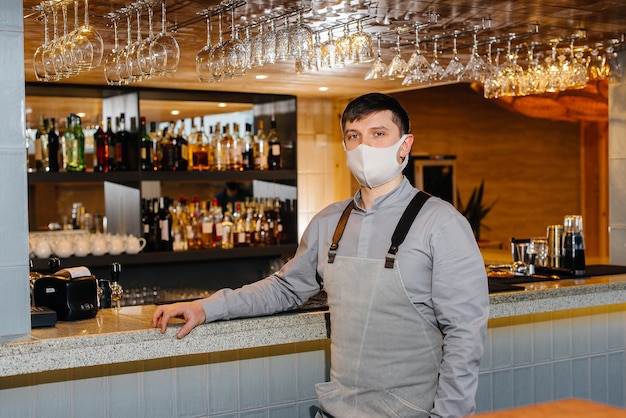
x: 136, y: 176
x: 191, y: 176
x: 41, y: 264
x: 84, y: 177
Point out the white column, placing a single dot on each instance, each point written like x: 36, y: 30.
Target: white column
x: 14, y: 292
x: 617, y: 166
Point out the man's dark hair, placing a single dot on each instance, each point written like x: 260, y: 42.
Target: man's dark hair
x: 370, y: 103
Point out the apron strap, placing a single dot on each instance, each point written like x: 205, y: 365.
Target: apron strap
x: 402, y: 229
x: 341, y: 226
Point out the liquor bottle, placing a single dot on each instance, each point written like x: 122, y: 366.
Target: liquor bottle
x: 260, y: 149
x: 179, y: 226
x: 216, y: 211
x: 182, y: 149
x: 200, y: 150
x: 165, y: 225
x: 222, y: 147
x: 194, y: 229
x: 111, y: 145
x: 133, y: 145
x: 169, y: 157
x: 228, y: 227
x: 155, y: 138
x: 145, y: 148
x: 278, y: 221
x: 154, y: 239
x: 239, y: 235
x: 101, y: 140
x: 247, y: 149
x: 235, y: 149
x: 270, y: 223
x: 273, y: 142
x: 76, y: 161
x: 122, y: 145
x: 146, y: 223
x: 41, y: 139
x: 206, y: 222
x: 53, y: 148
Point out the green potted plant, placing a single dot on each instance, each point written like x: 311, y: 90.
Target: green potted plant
x: 475, y: 211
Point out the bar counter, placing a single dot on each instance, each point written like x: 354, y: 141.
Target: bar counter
x: 124, y: 335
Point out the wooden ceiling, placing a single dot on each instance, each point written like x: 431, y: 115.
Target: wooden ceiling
x: 593, y: 21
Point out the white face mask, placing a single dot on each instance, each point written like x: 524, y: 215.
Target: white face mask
x: 373, y: 167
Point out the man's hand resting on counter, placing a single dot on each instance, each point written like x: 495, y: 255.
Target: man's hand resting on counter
x: 191, y: 312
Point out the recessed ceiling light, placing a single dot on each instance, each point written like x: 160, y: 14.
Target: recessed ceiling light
x: 222, y: 104
x: 323, y: 88
x: 175, y: 112
x: 261, y: 77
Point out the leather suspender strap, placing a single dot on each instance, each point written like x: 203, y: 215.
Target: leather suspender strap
x: 402, y: 229
x: 341, y: 226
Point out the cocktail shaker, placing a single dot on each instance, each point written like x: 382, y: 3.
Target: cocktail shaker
x: 573, y: 244
x: 555, y: 246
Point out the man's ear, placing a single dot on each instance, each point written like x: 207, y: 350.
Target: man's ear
x: 405, y: 149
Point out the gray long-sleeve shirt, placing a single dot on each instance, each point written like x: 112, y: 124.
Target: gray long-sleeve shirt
x: 440, y: 265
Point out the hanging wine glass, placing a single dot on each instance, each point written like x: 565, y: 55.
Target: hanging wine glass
x: 91, y: 57
x: 136, y: 74
x: 578, y: 72
x: 533, y: 80
x: 169, y: 62
x: 379, y: 68
x: 300, y: 39
x: 147, y: 50
x: 123, y: 69
x: 256, y: 48
x: 316, y: 58
x: 361, y: 45
x: 38, y: 57
x: 55, y: 65
x: 203, y: 58
x: 398, y: 67
x: 282, y: 41
x: 436, y: 70
x: 491, y: 85
x: 418, y: 65
x: 82, y: 50
x: 343, y: 49
x: 329, y: 51
x: 476, y: 68
x: 111, y: 75
x: 234, y: 51
x: 455, y: 67
x: 217, y: 53
x: 552, y: 69
x: 247, y: 46
x: 69, y: 61
x: 269, y: 43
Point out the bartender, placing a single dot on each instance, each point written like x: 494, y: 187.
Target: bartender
x: 232, y: 192
x: 406, y: 284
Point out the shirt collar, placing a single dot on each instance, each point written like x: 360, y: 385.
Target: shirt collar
x: 391, y: 197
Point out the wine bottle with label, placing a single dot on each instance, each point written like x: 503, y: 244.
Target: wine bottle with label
x: 122, y: 145
x: 111, y: 146
x: 260, y: 149
x: 76, y: 161
x: 145, y: 148
x: 273, y: 142
x: 102, y: 150
x: 53, y: 147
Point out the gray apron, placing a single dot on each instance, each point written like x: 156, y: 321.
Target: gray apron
x: 385, y: 355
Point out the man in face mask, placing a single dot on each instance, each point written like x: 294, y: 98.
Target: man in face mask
x: 406, y: 284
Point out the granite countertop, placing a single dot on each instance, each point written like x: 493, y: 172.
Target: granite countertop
x: 125, y: 334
